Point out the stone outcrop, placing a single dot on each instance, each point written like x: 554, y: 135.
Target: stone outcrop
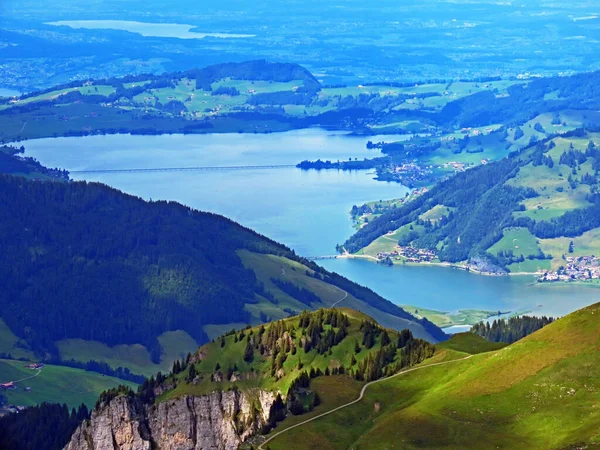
x: 484, y: 265
x: 216, y: 421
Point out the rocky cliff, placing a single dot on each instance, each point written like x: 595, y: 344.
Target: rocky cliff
x: 217, y: 421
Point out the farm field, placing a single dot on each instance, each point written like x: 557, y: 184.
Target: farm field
x: 518, y: 240
x: 54, y: 384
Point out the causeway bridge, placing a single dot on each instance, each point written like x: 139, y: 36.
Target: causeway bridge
x: 320, y: 258
x: 183, y: 169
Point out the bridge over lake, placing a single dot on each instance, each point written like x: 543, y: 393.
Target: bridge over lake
x: 183, y: 169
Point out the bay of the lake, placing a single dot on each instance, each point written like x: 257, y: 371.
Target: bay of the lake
x: 7, y: 92
x: 306, y: 210
x: 148, y: 29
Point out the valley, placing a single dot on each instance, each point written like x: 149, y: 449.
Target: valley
x: 272, y: 283
x: 377, y: 386
x: 297, y: 225
x: 238, y: 168
x: 290, y: 214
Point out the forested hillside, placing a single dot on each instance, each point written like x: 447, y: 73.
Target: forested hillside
x: 510, y: 330
x: 47, y: 426
x: 512, y: 214
x: 84, y: 261
x: 524, y: 102
x: 285, y: 355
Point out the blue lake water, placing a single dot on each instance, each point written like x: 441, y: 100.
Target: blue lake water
x: 307, y: 211
x: 148, y: 29
x: 5, y: 92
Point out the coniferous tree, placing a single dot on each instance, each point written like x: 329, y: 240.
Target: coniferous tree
x: 191, y: 373
x: 249, y: 352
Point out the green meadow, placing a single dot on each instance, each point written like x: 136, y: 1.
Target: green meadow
x: 448, y: 319
x: 541, y: 392
x: 54, y: 384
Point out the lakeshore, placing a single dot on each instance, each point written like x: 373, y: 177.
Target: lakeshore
x: 305, y: 210
x: 465, y: 267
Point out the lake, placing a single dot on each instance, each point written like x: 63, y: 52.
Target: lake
x: 147, y: 29
x: 5, y: 92
x: 306, y: 210
x: 450, y: 290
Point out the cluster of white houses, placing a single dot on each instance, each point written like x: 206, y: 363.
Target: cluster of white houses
x: 577, y: 268
x: 409, y: 254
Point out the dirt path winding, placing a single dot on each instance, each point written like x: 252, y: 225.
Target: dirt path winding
x: 28, y: 378
x: 360, y: 397
x: 341, y: 299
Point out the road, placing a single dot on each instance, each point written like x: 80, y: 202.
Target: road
x: 28, y: 378
x: 360, y: 397
x: 341, y: 299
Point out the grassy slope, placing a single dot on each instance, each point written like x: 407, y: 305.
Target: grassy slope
x: 551, y: 203
x: 470, y: 343
x: 257, y: 372
x: 174, y: 345
x: 10, y: 343
x: 55, y: 384
x: 448, y: 319
x: 268, y: 266
x: 334, y: 391
x: 541, y: 392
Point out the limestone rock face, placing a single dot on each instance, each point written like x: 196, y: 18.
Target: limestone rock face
x: 118, y: 425
x: 216, y: 421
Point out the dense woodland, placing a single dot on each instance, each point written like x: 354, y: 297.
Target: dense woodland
x: 253, y: 70
x: 47, y: 426
x: 510, y: 330
x: 82, y: 260
x: 11, y: 163
x: 139, y: 268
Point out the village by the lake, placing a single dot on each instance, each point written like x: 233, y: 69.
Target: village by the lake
x: 580, y: 268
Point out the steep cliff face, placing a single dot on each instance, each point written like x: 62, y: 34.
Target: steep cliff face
x: 217, y: 421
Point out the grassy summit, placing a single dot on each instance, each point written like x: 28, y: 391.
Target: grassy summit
x: 275, y: 356
x: 541, y: 393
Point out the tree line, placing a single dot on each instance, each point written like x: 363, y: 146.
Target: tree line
x: 46, y: 426
x: 511, y: 330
